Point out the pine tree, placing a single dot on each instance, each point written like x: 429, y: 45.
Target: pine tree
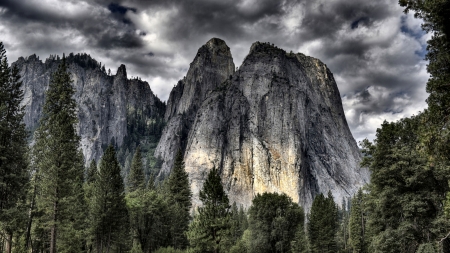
x: 357, y: 224
x: 136, y: 178
x: 14, y: 174
x: 60, y: 167
x: 91, y: 173
x: 273, y: 222
x: 406, y: 193
x: 342, y: 237
x: 89, y: 182
x: 300, y: 243
x: 180, y: 200
x: 235, y: 229
x: 210, y: 228
x: 109, y: 208
x: 323, y: 224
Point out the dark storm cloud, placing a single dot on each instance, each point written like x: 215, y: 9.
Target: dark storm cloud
x: 374, y: 50
x: 100, y: 28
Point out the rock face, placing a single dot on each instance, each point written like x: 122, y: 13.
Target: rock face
x: 275, y: 125
x: 212, y: 65
x: 106, y: 103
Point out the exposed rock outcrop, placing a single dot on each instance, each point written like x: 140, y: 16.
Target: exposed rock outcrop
x: 106, y: 103
x: 276, y: 125
x: 212, y: 65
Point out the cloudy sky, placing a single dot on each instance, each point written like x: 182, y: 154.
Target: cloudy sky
x: 374, y: 50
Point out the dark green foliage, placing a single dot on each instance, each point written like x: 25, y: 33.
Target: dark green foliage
x: 89, y: 183
x: 169, y: 250
x: 427, y: 248
x: 435, y: 133
x: 91, y: 173
x: 14, y: 174
x: 273, y: 222
x: 136, y: 178
x: 358, y: 224
x: 152, y: 212
x: 144, y: 128
x: 83, y: 60
x: 238, y: 223
x: 406, y: 193
x: 149, y: 213
x: 342, y: 236
x: 209, y: 232
x: 300, y: 242
x: 110, y: 226
x: 180, y: 191
x: 180, y: 202
x: 323, y: 224
x: 59, y: 164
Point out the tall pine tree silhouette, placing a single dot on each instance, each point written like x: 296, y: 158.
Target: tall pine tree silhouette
x: 13, y: 166
x: 110, y: 224
x: 59, y: 164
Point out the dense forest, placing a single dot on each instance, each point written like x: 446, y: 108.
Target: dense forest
x: 49, y: 201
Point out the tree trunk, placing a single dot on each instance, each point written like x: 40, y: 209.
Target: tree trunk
x: 9, y: 242
x: 30, y: 218
x: 53, y: 229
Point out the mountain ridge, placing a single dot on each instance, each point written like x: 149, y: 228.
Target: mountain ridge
x: 274, y: 124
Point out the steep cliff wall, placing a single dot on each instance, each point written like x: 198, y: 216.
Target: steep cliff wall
x: 277, y: 125
x: 111, y: 108
x: 212, y: 65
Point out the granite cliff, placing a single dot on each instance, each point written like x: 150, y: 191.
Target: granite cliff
x: 111, y: 108
x: 276, y: 124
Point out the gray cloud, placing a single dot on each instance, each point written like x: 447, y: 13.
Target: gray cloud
x: 374, y: 50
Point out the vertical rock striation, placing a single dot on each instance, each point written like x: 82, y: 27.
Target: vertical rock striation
x: 276, y: 125
x: 105, y: 102
x: 212, y: 65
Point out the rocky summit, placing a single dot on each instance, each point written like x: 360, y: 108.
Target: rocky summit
x: 111, y: 108
x: 275, y: 124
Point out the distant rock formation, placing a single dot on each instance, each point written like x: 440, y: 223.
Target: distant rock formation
x: 106, y: 103
x: 275, y: 125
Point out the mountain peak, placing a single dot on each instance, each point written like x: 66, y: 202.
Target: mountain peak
x: 216, y: 42
x: 122, y: 70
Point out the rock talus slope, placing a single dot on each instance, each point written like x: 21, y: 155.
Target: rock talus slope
x: 276, y: 125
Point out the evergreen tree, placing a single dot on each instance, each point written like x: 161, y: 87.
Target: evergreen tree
x: 300, y: 243
x: 323, y: 224
x: 180, y: 200
x: 342, y: 237
x: 59, y: 164
x: 273, y: 222
x: 357, y: 224
x: 109, y: 208
x: 210, y: 229
x: 136, y: 178
x: 92, y: 173
x: 236, y: 229
x: 405, y: 193
x: 149, y: 213
x: 89, y: 182
x: 243, y: 221
x: 435, y: 15
x: 148, y: 210
x: 14, y: 174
